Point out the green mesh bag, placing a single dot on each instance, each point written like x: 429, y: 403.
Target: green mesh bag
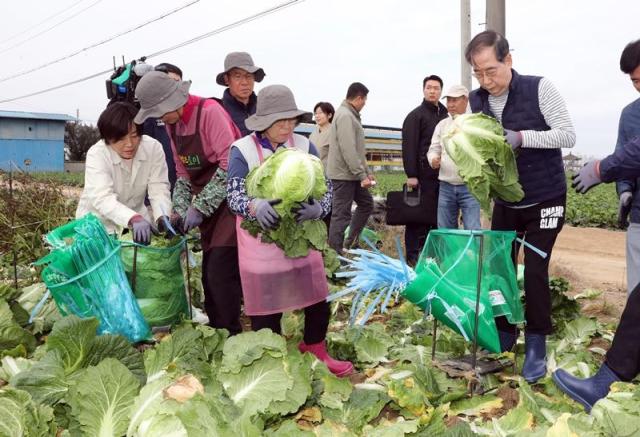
x: 159, y: 280
x: 84, y: 273
x: 447, y: 276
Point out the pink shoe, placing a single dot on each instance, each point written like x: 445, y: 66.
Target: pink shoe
x: 338, y: 368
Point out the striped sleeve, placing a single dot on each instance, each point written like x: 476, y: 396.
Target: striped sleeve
x: 562, y: 134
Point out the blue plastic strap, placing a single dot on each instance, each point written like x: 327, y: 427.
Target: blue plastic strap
x: 36, y: 309
x: 450, y: 314
x: 532, y: 247
x: 166, y: 221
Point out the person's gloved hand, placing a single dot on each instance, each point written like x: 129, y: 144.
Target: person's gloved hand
x: 587, y: 178
x: 267, y: 217
x: 192, y: 219
x: 624, y: 207
x: 311, y: 210
x: 142, y: 229
x: 514, y: 138
x: 177, y: 222
x: 161, y: 224
x: 165, y: 226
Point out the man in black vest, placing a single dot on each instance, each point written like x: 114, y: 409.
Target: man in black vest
x: 537, y: 125
x: 240, y: 76
x: 417, y: 131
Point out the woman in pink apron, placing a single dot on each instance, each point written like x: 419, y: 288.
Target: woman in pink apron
x: 201, y: 132
x: 271, y: 282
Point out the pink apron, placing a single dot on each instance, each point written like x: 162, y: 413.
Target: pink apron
x: 273, y: 283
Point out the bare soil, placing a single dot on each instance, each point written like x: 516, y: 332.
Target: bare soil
x: 593, y: 258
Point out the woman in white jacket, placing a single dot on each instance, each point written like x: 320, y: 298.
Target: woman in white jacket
x: 121, y: 170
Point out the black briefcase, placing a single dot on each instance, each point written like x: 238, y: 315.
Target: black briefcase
x: 417, y: 207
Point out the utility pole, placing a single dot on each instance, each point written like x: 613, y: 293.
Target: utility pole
x: 77, y: 114
x: 465, y: 37
x: 496, y: 16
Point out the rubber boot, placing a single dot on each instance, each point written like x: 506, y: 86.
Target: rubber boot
x: 507, y: 340
x: 587, y: 391
x: 535, y: 354
x: 338, y: 368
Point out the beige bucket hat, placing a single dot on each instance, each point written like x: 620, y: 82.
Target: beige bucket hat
x: 159, y: 94
x: 275, y: 102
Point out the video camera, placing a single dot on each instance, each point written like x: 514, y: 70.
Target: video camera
x: 121, y: 86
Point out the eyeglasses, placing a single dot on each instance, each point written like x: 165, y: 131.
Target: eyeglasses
x: 489, y: 73
x: 238, y: 76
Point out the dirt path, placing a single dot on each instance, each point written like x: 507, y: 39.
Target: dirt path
x: 593, y: 258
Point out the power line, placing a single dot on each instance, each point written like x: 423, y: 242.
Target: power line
x: 177, y: 46
x: 227, y: 27
x: 57, y: 87
x: 50, y: 28
x: 42, y: 22
x: 77, y: 52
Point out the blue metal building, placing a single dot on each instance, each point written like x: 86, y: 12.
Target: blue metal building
x: 33, y: 141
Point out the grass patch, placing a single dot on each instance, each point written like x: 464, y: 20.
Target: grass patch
x: 64, y: 178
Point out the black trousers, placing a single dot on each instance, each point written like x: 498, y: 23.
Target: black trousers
x: 316, y: 322
x: 414, y: 238
x: 222, y: 288
x: 344, y: 194
x: 539, y: 225
x: 416, y: 235
x: 624, y: 355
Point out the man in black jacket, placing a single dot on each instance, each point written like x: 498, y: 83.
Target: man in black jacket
x: 622, y: 362
x: 417, y: 131
x: 240, y: 76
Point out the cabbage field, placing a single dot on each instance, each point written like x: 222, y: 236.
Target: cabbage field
x: 58, y: 378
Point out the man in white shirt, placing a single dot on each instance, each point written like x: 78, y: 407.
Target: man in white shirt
x: 453, y: 196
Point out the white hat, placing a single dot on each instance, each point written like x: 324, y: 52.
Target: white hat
x: 457, y: 91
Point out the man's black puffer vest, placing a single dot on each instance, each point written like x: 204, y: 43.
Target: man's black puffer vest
x: 541, y: 170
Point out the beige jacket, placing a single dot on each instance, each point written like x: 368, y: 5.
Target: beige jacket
x: 114, y: 193
x: 320, y: 139
x: 347, y: 159
x: 448, y: 168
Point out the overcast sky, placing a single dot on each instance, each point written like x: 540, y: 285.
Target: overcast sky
x: 318, y: 47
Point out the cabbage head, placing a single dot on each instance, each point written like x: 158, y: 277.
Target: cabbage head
x: 485, y: 161
x: 293, y: 176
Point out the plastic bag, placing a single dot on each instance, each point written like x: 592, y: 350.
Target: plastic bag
x: 159, y: 280
x: 366, y: 234
x: 86, y: 278
x: 447, y: 276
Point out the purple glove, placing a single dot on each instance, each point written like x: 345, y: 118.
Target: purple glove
x: 308, y: 211
x: 514, y: 138
x: 193, y: 219
x: 142, y: 230
x: 267, y: 217
x: 587, y: 178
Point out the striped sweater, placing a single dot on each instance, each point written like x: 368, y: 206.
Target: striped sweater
x: 554, y: 111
